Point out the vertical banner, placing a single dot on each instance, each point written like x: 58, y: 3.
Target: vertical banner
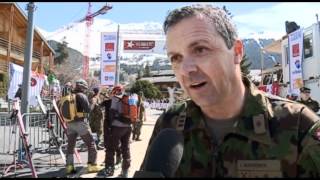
x: 108, y: 58
x: 295, y: 60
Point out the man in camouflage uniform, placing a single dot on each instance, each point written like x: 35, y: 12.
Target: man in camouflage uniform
x: 230, y: 128
x: 306, y: 99
x: 96, y: 116
x: 136, y: 131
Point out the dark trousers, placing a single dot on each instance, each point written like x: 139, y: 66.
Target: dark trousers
x: 107, y: 143
x: 121, y: 134
x: 137, y: 129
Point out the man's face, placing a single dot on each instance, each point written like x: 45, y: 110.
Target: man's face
x: 203, y: 64
x: 305, y: 96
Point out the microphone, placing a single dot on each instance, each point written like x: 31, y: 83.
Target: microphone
x: 164, y: 156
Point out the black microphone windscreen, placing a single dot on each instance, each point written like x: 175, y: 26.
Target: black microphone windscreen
x: 165, y: 152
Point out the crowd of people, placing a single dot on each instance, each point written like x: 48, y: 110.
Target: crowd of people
x: 102, y: 114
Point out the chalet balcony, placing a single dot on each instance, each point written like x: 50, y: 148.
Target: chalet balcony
x: 17, y: 52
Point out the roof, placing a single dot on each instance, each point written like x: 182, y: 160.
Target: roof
x: 160, y: 79
x: 36, y: 31
x: 163, y: 73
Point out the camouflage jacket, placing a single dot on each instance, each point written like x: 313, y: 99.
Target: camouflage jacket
x: 273, y: 137
x: 312, y: 104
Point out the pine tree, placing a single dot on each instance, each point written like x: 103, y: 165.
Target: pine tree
x: 139, y: 74
x: 148, y: 89
x: 147, y: 72
x: 62, y: 50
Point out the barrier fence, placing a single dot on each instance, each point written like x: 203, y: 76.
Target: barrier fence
x: 37, y: 131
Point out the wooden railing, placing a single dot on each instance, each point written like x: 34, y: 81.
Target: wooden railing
x: 16, y: 49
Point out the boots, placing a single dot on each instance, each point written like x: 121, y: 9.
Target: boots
x: 108, y: 171
x: 133, y: 137
x: 92, y: 168
x: 70, y: 169
x: 118, y: 159
x: 138, y: 139
x: 124, y: 173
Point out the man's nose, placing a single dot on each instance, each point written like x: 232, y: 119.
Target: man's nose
x: 188, y: 66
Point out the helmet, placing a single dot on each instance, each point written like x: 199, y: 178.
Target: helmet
x: 96, y: 90
x: 69, y: 84
x: 82, y: 83
x: 117, y: 90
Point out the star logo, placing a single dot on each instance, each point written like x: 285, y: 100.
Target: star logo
x: 130, y: 44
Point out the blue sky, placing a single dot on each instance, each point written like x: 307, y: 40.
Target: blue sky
x: 53, y: 15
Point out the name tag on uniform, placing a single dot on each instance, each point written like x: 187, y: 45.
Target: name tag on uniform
x: 259, y: 168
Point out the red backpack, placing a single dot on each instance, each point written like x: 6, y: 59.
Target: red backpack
x: 130, y: 107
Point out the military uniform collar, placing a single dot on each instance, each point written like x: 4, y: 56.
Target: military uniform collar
x: 253, y: 121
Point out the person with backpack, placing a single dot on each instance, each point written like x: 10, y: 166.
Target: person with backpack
x: 96, y: 117
x: 107, y: 136
x: 122, y: 116
x: 75, y: 109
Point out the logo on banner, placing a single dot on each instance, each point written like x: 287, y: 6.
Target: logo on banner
x: 109, y: 55
x: 109, y: 47
x: 297, y: 64
x: 109, y: 37
x: 108, y: 78
x: 109, y: 68
x: 295, y: 50
x: 138, y: 45
x: 33, y: 82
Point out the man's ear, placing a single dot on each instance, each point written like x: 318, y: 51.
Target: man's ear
x: 238, y: 51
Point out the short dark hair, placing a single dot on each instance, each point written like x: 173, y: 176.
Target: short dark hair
x: 305, y: 90
x: 215, y: 15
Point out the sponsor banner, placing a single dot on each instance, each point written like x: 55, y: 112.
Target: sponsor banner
x: 108, y: 73
x: 144, y: 46
x: 109, y: 46
x: 108, y: 61
x: 295, y: 59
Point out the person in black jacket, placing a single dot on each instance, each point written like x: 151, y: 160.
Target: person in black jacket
x: 306, y: 99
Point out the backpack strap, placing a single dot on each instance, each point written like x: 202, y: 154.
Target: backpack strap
x: 182, y: 117
x: 78, y: 114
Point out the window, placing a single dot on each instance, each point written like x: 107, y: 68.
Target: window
x: 307, y: 46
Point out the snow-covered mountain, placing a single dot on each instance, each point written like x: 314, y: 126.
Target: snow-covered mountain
x: 74, y: 34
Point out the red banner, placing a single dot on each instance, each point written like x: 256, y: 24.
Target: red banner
x: 138, y: 45
x: 273, y: 88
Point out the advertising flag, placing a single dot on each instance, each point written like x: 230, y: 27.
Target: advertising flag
x: 108, y: 58
x: 295, y: 59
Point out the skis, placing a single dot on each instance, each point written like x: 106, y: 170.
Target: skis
x: 53, y: 138
x: 64, y: 126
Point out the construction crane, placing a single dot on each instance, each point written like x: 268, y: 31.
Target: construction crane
x: 89, y: 21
